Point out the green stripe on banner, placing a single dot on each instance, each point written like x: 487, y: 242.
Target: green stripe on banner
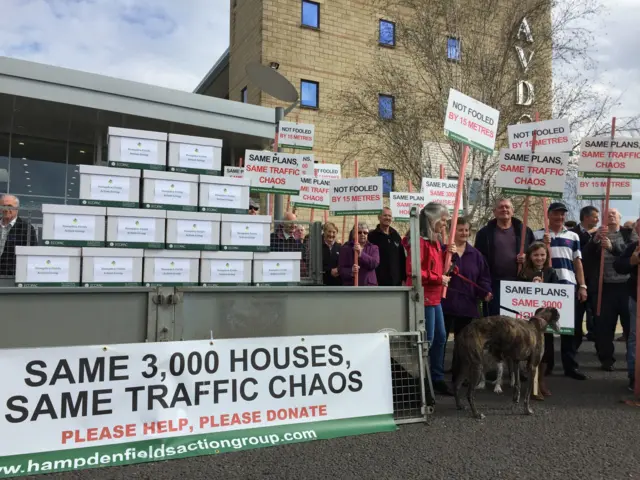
x: 602, y: 197
x: 281, y: 191
x: 298, y: 147
x: 466, y: 141
x: 158, y: 450
x: 531, y: 193
x: 355, y: 212
x: 611, y: 175
x: 309, y: 205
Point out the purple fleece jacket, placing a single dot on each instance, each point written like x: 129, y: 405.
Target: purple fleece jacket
x: 368, y: 261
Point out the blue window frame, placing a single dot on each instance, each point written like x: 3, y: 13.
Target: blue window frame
x: 387, y: 180
x: 387, y: 33
x: 310, y: 94
x: 244, y: 97
x: 310, y: 14
x: 386, y: 105
x: 453, y: 49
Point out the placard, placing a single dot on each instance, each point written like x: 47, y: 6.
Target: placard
x: 156, y: 401
x: 440, y: 191
x: 172, y: 270
x: 247, y: 234
x: 596, y: 189
x: 362, y: 196
x: 470, y: 122
x: 227, y: 271
x: 296, y: 135
x: 111, y: 189
x: 114, y: 270
x: 274, y: 172
x: 401, y: 203
x: 194, y: 232
x: 166, y: 192
x: 327, y: 171
x: 277, y: 271
x: 307, y: 165
x: 43, y: 270
x: 601, y: 157
x: 138, y: 232
x: 202, y: 159
x: 314, y: 193
x: 551, y: 136
x: 233, y: 172
x: 527, y: 297
x: 138, y: 150
x: 521, y: 172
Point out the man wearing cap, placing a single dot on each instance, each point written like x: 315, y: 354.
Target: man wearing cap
x: 254, y: 207
x: 566, y: 260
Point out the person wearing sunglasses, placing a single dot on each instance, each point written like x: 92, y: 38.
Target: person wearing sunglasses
x: 368, y: 259
x: 254, y: 207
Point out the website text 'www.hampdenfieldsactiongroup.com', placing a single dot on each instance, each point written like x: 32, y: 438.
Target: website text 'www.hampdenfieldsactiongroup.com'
x: 126, y: 454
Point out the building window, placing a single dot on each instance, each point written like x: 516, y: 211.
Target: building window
x: 310, y: 14
x: 310, y: 94
x: 387, y: 34
x: 386, y: 105
x: 453, y: 49
x: 244, y: 97
x: 475, y: 191
x: 387, y: 180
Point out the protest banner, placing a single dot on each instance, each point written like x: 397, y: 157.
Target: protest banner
x: 233, y: 172
x: 401, y: 203
x: 356, y: 196
x: 72, y: 408
x: 314, y: 193
x: 441, y: 191
x: 537, y: 174
x: 327, y: 171
x: 551, y: 136
x: 606, y: 157
x: 527, y: 297
x: 308, y: 165
x: 471, y: 122
x: 273, y: 172
x: 596, y: 188
x: 296, y: 135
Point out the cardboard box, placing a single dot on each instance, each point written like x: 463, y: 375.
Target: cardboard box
x: 276, y: 268
x: 171, y: 268
x: 224, y: 195
x: 245, y: 233
x: 111, y: 267
x: 194, y: 155
x: 135, y: 228
x: 169, y: 191
x: 193, y: 231
x: 137, y: 149
x: 225, y: 268
x: 73, y: 225
x: 109, y: 187
x: 47, y: 267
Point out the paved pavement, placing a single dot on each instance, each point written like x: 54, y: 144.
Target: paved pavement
x: 582, y: 432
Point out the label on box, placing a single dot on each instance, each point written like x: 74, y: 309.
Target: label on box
x: 138, y: 150
x: 138, y: 230
x: 197, y: 157
x: 277, y: 271
x: 172, y: 270
x: 112, y: 270
x: 171, y: 193
x: 74, y: 227
x: 247, y: 234
x: 194, y: 231
x: 41, y: 269
x: 227, y: 271
x: 226, y: 196
x: 109, y: 188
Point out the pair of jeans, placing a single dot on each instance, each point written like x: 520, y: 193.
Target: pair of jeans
x: 436, y: 336
x: 631, y: 340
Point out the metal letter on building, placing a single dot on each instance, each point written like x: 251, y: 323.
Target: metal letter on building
x: 526, y: 93
x: 526, y: 30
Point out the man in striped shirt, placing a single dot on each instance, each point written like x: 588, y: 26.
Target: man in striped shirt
x: 566, y: 259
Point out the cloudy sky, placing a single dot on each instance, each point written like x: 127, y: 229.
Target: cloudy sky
x: 173, y: 43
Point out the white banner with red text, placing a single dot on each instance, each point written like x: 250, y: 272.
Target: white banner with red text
x: 539, y: 174
x: 401, y: 203
x: 71, y: 408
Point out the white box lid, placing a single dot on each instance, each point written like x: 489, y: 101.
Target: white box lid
x: 171, y: 176
x: 210, y: 142
x: 73, y: 209
x: 49, y: 251
x: 203, y: 216
x: 112, y: 252
x: 245, y: 182
x: 172, y: 253
x: 135, y: 212
x: 227, y: 255
x: 129, y: 132
x: 109, y: 171
x: 231, y: 218
x: 278, y: 256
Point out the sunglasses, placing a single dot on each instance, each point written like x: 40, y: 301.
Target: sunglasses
x: 363, y: 232
x: 254, y: 209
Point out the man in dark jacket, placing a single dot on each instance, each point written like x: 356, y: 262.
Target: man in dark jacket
x: 14, y: 232
x: 392, y: 269
x: 499, y: 241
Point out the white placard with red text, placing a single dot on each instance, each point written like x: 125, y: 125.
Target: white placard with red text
x: 356, y: 196
x: 314, y: 193
x: 601, y: 157
x: 596, y: 189
x: 273, y: 172
x: 233, y: 172
x: 521, y: 172
x: 307, y: 164
x: 551, y: 136
x: 296, y: 135
x: 401, y: 203
x: 441, y: 191
x: 471, y: 122
x: 328, y: 171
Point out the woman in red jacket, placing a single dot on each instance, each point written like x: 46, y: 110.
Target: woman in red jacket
x: 432, y: 218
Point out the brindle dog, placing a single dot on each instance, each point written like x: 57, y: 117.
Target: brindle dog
x: 509, y: 340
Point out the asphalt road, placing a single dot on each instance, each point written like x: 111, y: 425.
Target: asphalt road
x: 582, y: 432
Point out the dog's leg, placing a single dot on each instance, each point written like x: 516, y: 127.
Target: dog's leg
x: 482, y: 383
x: 474, y: 375
x: 512, y: 374
x: 462, y: 375
x: 516, y: 390
x: 498, y: 383
x: 533, y: 367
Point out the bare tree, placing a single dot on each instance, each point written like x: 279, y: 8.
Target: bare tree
x: 506, y: 52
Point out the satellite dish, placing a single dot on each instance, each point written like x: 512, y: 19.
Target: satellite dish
x: 271, y: 82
